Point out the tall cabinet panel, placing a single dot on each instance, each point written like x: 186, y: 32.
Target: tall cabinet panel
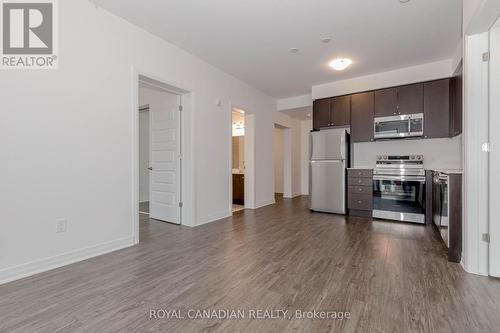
x: 386, y: 102
x: 411, y: 99
x: 341, y: 111
x: 321, y: 113
x: 362, y: 114
x: 437, y: 109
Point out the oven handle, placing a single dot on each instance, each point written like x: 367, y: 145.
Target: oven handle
x: 400, y: 178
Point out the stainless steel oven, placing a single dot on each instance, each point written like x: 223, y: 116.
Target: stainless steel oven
x: 403, y: 126
x: 399, y: 188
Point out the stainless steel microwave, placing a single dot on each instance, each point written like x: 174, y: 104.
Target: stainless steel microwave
x: 402, y: 126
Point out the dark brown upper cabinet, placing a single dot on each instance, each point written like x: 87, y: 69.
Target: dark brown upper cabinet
x: 386, y: 102
x: 341, y: 111
x: 332, y: 112
x: 437, y: 109
x: 321, y: 113
x: 457, y: 96
x: 411, y: 99
x: 362, y: 114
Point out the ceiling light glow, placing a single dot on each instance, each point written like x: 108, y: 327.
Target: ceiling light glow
x: 340, y: 64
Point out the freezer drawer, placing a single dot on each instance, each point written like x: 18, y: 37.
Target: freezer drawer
x: 328, y: 186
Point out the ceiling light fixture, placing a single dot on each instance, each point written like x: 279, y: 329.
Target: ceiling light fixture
x: 404, y: 1
x: 294, y: 50
x: 326, y: 40
x: 340, y: 64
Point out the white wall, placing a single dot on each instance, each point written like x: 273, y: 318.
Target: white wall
x: 72, y: 141
x: 424, y: 72
x: 293, y: 131
x: 278, y: 159
x: 143, y: 156
x: 438, y: 154
x: 305, y: 130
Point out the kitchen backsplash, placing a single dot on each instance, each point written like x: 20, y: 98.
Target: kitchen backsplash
x: 438, y: 153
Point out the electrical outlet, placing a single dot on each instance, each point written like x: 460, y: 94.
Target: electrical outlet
x: 61, y: 225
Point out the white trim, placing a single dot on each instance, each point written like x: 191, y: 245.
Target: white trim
x: 46, y: 264
x: 265, y: 203
x: 214, y: 217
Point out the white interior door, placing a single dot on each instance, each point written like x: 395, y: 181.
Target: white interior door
x: 494, y: 195
x: 165, y: 158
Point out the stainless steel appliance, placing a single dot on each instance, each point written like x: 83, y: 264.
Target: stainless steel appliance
x: 402, y: 126
x: 399, y: 188
x: 441, y: 207
x: 328, y: 162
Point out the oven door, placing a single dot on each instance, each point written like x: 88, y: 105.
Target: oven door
x: 400, y: 198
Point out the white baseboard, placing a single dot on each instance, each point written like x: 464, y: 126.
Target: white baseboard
x: 265, y: 203
x: 21, y: 271
x: 213, y: 217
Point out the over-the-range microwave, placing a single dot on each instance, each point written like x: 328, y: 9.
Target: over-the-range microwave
x: 401, y: 126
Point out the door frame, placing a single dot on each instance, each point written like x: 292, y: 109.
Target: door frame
x: 186, y: 187
x: 249, y: 185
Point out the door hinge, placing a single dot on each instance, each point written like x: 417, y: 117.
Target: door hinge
x: 180, y: 204
x: 180, y: 107
x: 485, y: 147
x: 486, y: 238
x: 486, y: 56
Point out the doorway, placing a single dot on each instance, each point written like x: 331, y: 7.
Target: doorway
x: 238, y: 166
x: 279, y: 161
x: 159, y: 154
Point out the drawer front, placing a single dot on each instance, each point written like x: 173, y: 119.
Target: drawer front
x: 360, y: 173
x: 360, y: 201
x: 360, y: 182
x: 360, y: 190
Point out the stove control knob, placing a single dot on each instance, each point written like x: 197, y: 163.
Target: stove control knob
x: 419, y: 157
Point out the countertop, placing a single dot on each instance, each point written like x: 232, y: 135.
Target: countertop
x: 449, y: 171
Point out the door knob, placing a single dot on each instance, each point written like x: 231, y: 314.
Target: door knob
x: 150, y: 168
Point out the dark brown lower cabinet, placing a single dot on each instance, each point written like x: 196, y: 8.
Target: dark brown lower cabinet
x: 444, y: 209
x: 238, y: 189
x: 360, y: 192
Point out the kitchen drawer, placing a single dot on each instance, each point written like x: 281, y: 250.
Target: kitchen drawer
x: 360, y: 190
x: 360, y: 173
x: 360, y: 201
x: 360, y: 181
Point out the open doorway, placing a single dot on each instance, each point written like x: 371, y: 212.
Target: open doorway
x: 279, y: 161
x: 159, y: 154
x: 238, y: 159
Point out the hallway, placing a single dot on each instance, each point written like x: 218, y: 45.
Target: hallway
x: 389, y: 276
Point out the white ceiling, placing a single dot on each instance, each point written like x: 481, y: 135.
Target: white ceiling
x: 251, y: 39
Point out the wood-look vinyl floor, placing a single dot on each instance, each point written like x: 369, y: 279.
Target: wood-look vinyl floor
x: 391, y: 277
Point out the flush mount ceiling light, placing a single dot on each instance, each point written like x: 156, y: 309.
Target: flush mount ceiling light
x: 326, y: 40
x: 340, y: 64
x: 404, y: 1
x: 294, y: 50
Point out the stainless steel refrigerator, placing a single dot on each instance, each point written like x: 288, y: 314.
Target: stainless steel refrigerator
x: 327, y: 173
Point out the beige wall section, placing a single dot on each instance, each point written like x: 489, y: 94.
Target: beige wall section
x: 305, y: 130
x: 278, y: 159
x: 292, y: 153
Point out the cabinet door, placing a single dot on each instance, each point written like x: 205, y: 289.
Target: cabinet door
x: 341, y: 111
x: 411, y: 99
x: 457, y: 89
x: 437, y: 109
x: 321, y: 113
x: 386, y: 102
x: 362, y: 117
